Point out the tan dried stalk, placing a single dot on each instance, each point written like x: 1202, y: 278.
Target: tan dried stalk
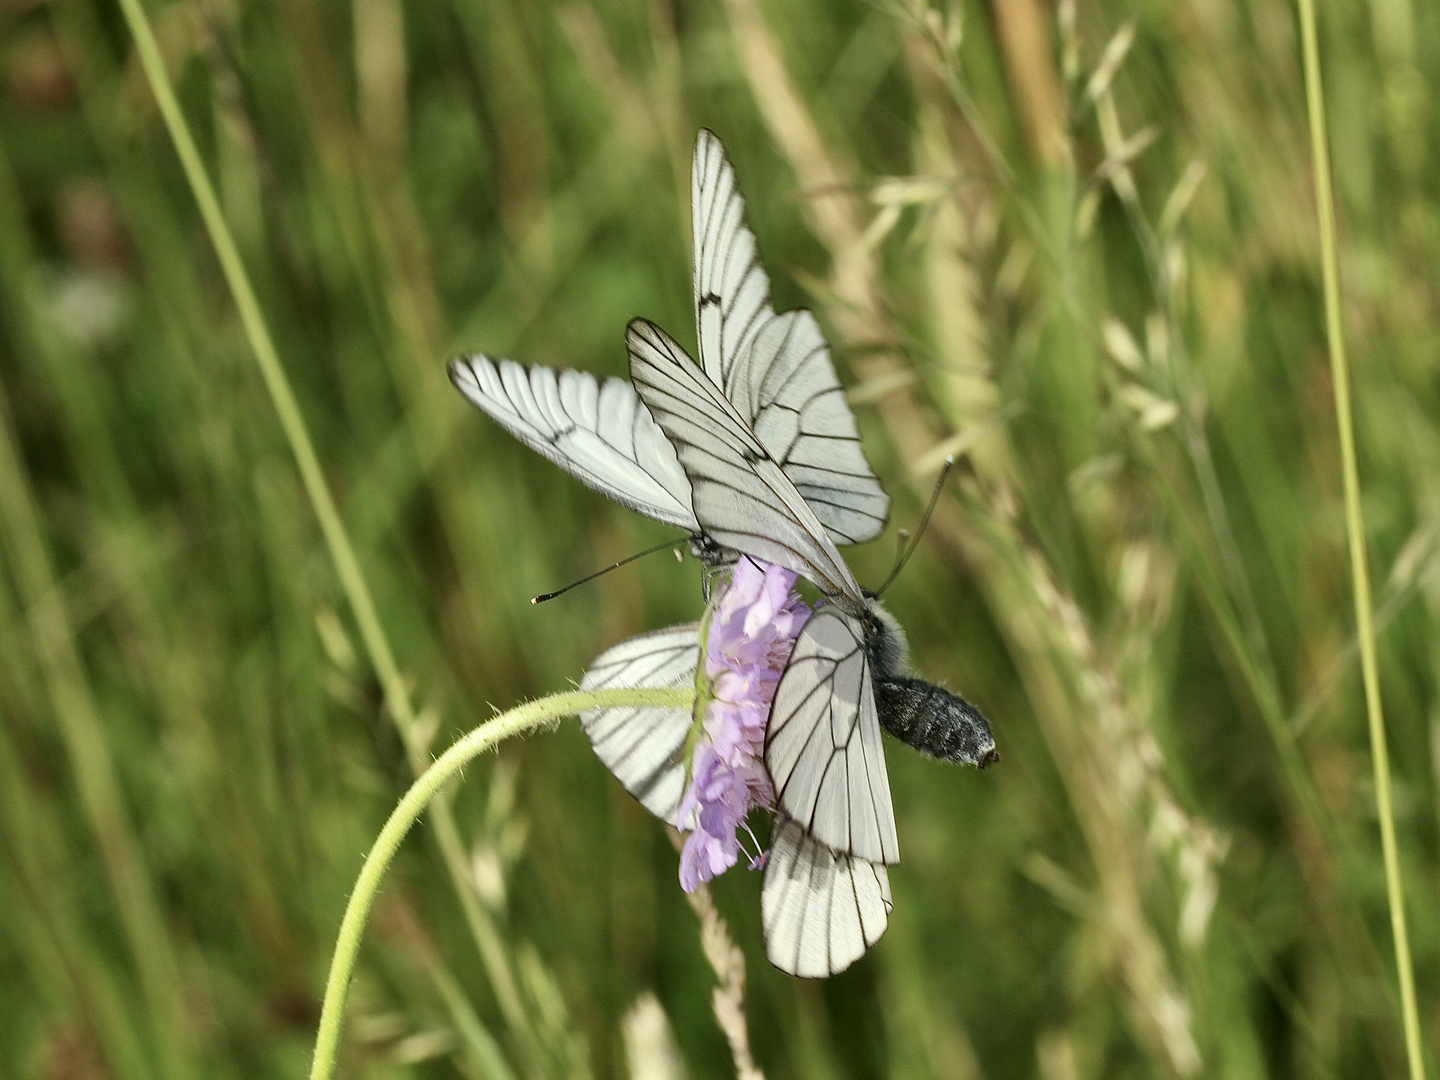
x: 1023, y: 27
x: 728, y: 999
x: 728, y: 963
x: 650, y: 1047
x: 834, y: 216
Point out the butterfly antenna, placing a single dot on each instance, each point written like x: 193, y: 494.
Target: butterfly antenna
x: 904, y: 555
x: 901, y: 538
x: 591, y: 577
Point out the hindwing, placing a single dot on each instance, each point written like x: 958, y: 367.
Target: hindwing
x: 644, y: 746
x: 820, y: 909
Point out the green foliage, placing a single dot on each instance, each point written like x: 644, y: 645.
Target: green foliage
x: 1141, y: 576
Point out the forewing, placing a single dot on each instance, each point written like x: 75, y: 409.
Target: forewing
x: 821, y: 910
x: 732, y: 293
x: 785, y: 386
x: 823, y: 748
x: 644, y: 747
x: 741, y: 496
x: 596, y: 430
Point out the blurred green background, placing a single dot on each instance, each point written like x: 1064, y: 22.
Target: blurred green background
x: 1085, y: 262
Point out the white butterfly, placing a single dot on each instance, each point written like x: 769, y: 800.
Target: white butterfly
x: 820, y: 909
x: 836, y: 829
x: 776, y: 370
x: 768, y: 465
x: 845, y: 677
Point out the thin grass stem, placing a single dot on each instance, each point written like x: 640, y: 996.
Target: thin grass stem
x: 1355, y: 528
x: 336, y: 538
x: 342, y: 553
x: 522, y: 718
x: 91, y: 756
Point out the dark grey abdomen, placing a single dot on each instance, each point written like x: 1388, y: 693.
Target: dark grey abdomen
x: 934, y: 721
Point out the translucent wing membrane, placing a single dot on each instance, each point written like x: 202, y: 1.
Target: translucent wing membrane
x: 821, y: 910
x: 741, y: 496
x: 823, y: 745
x: 775, y: 369
x: 786, y: 388
x: 732, y: 293
x: 596, y: 430
x: 644, y: 747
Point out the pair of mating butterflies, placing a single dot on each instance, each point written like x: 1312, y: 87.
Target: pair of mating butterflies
x: 753, y: 451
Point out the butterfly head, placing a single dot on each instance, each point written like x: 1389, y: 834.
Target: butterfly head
x: 706, y: 551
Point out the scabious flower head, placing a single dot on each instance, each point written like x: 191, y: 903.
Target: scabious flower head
x: 754, y: 620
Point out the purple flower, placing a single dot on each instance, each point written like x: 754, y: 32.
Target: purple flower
x: 754, y: 619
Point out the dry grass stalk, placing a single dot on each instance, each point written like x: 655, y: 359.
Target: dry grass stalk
x: 729, y: 997
x: 834, y: 216
x: 1024, y: 30
x: 1123, y: 764
x: 650, y: 1046
x: 728, y: 963
x: 381, y: 71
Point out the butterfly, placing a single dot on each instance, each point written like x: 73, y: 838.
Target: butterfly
x: 777, y: 368
x: 752, y: 450
x: 826, y: 896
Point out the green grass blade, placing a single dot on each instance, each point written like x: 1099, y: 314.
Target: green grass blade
x: 336, y: 538
x: 83, y: 731
x: 1355, y: 527
x: 342, y: 553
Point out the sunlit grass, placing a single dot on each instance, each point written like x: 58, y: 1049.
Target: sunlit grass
x: 1141, y: 576
x: 1355, y: 534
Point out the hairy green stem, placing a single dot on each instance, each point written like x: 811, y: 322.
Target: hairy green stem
x: 522, y: 718
x: 1355, y: 527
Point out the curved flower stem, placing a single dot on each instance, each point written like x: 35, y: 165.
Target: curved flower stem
x: 522, y: 718
x: 1355, y: 527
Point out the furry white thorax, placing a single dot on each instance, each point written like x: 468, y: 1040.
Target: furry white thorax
x: 885, y: 642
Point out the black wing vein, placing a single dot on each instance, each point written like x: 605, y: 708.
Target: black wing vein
x: 824, y: 712
x: 644, y: 747
x: 741, y: 496
x: 820, y: 909
x: 772, y: 366
x: 595, y: 429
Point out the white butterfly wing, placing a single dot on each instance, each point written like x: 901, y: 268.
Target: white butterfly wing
x: 786, y: 387
x: 741, y: 496
x: 732, y: 293
x: 644, y: 747
x: 776, y: 369
x: 820, y: 909
x: 823, y: 747
x: 596, y: 430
